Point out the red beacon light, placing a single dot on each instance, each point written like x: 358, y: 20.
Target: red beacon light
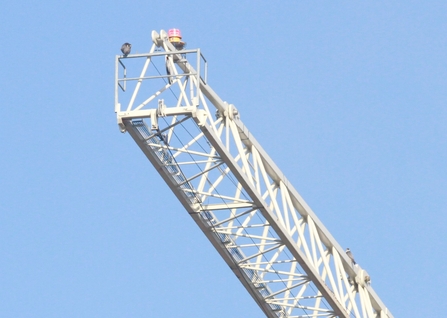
x: 175, y: 37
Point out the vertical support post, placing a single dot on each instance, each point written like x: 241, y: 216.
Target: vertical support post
x: 117, y: 105
x: 198, y: 76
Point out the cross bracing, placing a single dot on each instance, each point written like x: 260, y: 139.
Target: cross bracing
x: 256, y: 220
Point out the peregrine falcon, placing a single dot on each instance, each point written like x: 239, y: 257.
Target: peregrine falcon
x: 125, y: 48
x: 349, y: 253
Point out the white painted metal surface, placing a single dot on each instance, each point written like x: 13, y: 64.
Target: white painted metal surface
x: 273, y: 242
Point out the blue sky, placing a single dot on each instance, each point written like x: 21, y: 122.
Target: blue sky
x: 348, y: 98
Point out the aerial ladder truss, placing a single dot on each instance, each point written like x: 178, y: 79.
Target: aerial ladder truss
x: 266, y: 233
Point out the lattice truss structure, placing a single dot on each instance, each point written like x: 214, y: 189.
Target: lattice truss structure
x: 274, y: 243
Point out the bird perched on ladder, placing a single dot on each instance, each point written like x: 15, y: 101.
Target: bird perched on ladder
x: 125, y: 48
x: 349, y: 253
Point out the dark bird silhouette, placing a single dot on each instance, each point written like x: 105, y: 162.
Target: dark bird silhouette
x: 349, y: 253
x: 125, y: 48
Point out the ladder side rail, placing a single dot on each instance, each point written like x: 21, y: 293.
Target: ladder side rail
x: 302, y: 207
x: 299, y: 203
x: 268, y: 214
